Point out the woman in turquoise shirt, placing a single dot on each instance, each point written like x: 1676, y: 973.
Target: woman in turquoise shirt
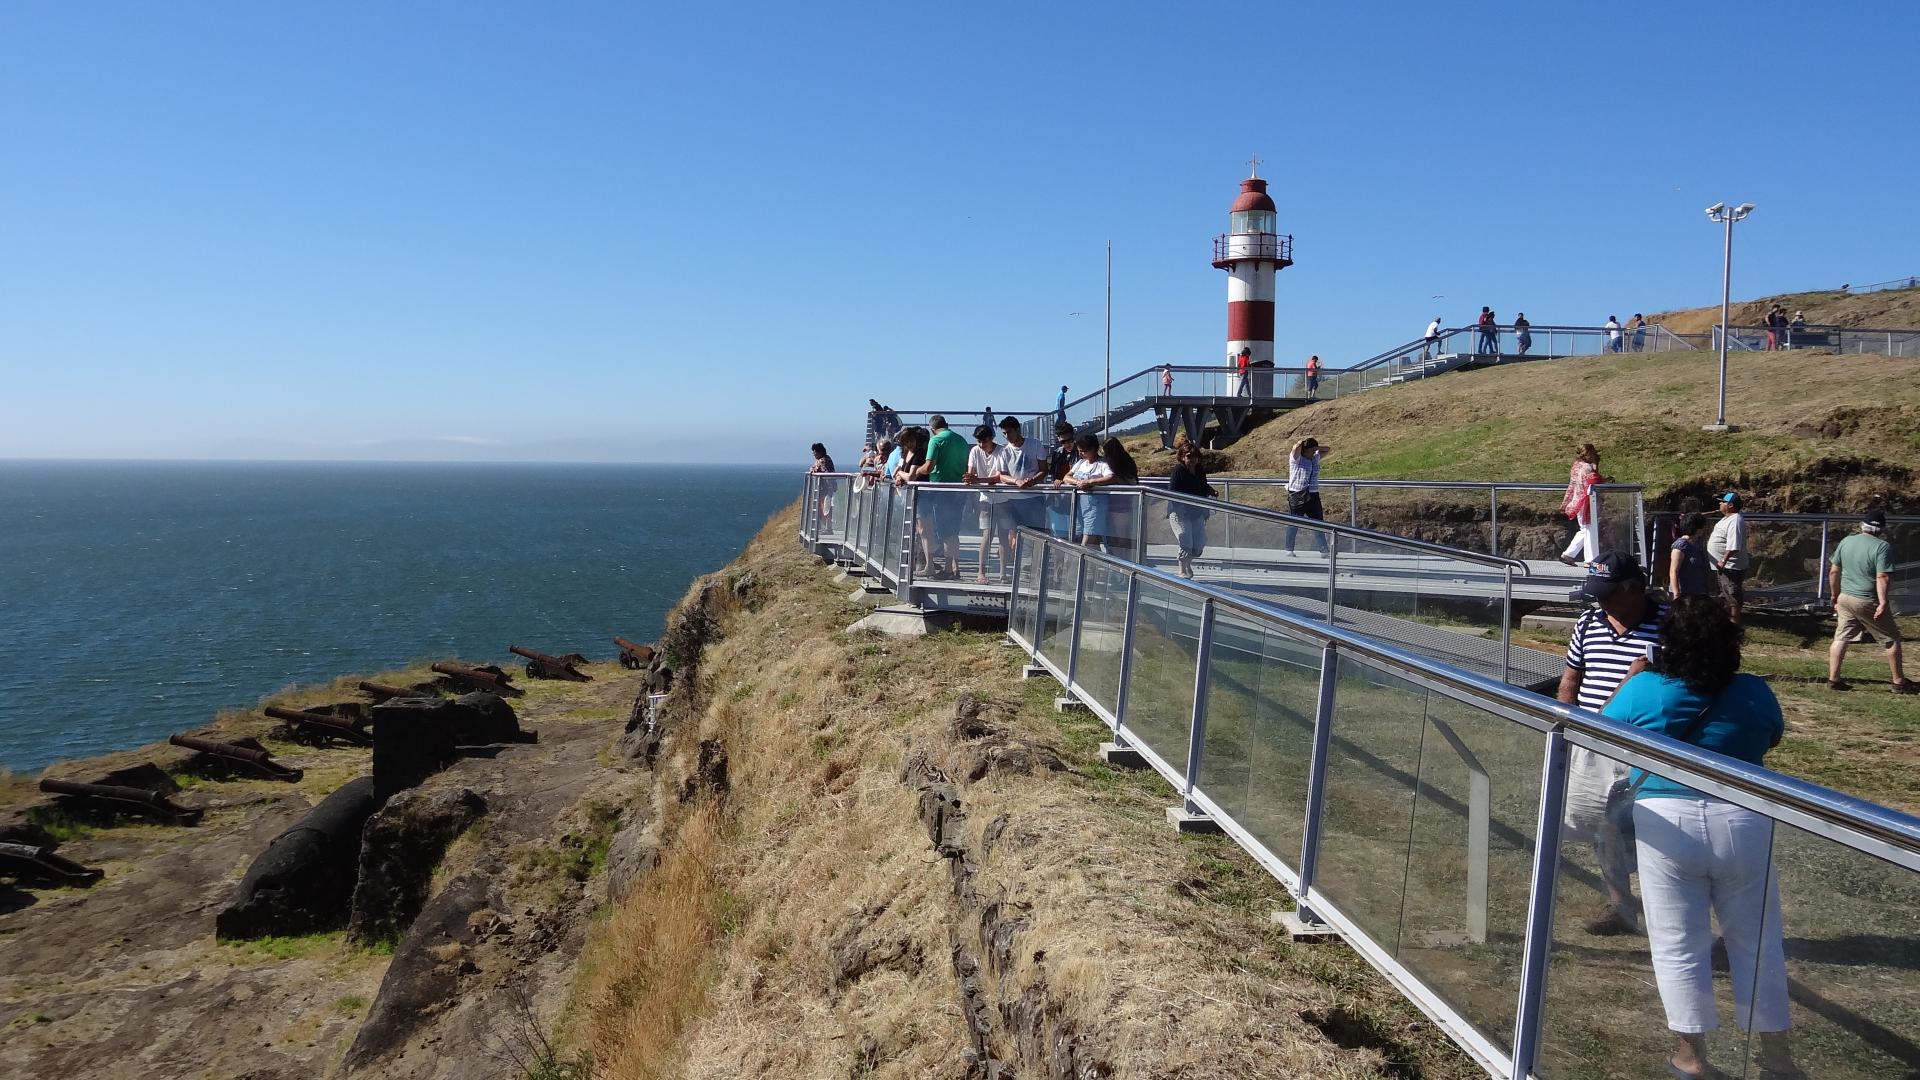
x: 1700, y: 855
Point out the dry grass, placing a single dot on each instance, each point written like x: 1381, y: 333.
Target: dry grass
x: 809, y: 928
x: 1892, y: 309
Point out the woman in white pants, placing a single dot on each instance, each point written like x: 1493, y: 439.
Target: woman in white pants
x: 1701, y: 856
x: 1576, y: 505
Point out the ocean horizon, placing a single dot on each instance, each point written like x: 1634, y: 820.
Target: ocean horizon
x: 141, y: 597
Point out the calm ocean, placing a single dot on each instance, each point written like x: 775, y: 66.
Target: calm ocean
x: 137, y: 599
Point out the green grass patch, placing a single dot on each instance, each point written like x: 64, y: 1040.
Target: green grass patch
x: 287, y: 947
x: 59, y: 824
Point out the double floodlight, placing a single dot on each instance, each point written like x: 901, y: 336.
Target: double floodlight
x: 1719, y: 212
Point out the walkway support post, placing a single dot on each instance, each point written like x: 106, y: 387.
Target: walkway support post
x: 1539, y: 939
x: 1126, y: 660
x: 1317, y: 781
x: 1197, y: 732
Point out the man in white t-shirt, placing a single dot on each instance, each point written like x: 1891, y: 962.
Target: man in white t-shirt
x: 1432, y: 339
x: 1727, y: 550
x: 985, y: 462
x: 1023, y: 464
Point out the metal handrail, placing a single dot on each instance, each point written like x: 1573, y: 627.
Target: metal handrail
x: 1823, y: 804
x: 1219, y: 506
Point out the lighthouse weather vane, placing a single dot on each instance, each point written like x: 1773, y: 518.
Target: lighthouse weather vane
x: 1253, y: 166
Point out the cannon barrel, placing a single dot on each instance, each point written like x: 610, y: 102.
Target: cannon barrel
x: 151, y: 802
x: 383, y: 691
x: 259, y: 759
x: 479, y: 678
x: 336, y: 726
x: 543, y: 666
x: 633, y: 656
x: 43, y: 863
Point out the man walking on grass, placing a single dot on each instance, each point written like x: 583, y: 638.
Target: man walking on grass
x: 1609, y: 645
x: 1859, y: 574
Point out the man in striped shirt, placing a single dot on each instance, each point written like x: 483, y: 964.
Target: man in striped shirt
x: 1609, y: 646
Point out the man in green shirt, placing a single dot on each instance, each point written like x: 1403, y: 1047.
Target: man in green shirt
x: 1859, y: 574
x: 946, y: 464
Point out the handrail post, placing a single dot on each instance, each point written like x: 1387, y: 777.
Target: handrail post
x: 1539, y: 939
x: 1013, y: 582
x: 1506, y: 623
x: 1197, y: 732
x: 1333, y: 569
x: 1353, y: 505
x: 909, y: 518
x: 1820, y: 569
x: 1493, y: 519
x: 1317, y: 780
x: 893, y: 499
x: 1040, y: 598
x: 1126, y: 658
x: 1079, y: 620
x: 1139, y: 527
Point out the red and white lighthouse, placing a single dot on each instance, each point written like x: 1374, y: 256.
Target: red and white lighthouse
x: 1251, y: 253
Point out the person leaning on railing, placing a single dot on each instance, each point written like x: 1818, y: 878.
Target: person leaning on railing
x: 1022, y: 465
x: 1700, y: 857
x: 1189, y: 523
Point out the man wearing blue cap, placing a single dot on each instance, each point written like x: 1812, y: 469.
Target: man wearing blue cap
x: 1859, y: 575
x: 1608, y: 646
x: 1727, y: 548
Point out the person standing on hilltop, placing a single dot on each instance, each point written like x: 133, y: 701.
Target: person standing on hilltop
x: 1313, y: 376
x: 1727, y: 548
x: 1432, y: 338
x: 1489, y: 325
x: 1578, y: 507
x: 1522, y: 333
x: 1612, y: 327
x: 1859, y: 575
x: 1639, y: 327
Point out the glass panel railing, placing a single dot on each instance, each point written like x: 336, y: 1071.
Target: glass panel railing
x: 1262, y: 688
x: 1616, y: 520
x: 1103, y: 615
x: 1023, y: 606
x: 1056, y: 624
x: 1160, y: 673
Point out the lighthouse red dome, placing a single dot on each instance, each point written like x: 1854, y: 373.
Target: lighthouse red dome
x: 1253, y: 196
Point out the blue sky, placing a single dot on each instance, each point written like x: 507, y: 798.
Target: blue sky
x: 650, y: 232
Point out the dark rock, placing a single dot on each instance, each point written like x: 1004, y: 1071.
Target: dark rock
x: 146, y: 776
x: 710, y: 773
x: 424, y: 977
x: 18, y: 827
x: 633, y: 852
x: 399, y: 849
x: 639, y: 745
x: 413, y: 738
x: 304, y: 881
x: 481, y: 719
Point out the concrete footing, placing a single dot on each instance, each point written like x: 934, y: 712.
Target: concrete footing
x: 849, y: 573
x: 866, y: 597
x: 903, y: 620
x: 1301, y: 930
x: 1121, y: 757
x: 1069, y: 704
x: 1186, y: 821
x: 1035, y: 671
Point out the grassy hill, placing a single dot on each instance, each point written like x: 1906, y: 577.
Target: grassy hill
x: 1817, y: 432
x: 1893, y: 309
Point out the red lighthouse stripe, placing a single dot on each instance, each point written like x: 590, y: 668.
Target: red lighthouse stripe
x: 1250, y: 320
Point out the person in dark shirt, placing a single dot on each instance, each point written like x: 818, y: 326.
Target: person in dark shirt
x: 1188, y: 522
x: 1059, y: 462
x: 1689, y: 570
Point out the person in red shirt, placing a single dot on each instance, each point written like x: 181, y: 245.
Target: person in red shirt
x: 1246, y: 384
x: 1313, y: 376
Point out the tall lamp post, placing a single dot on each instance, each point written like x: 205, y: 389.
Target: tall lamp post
x: 1106, y: 393
x: 1719, y: 212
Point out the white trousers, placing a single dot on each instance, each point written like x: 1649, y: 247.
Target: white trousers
x: 1584, y: 545
x: 1699, y: 856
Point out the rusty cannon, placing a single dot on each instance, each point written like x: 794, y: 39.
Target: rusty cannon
x: 41, y: 864
x: 386, y: 692
x: 633, y: 657
x: 247, y: 752
x: 319, y: 727
x: 114, y: 797
x: 488, y: 678
x: 542, y: 666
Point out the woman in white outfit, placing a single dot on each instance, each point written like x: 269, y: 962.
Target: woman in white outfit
x: 1576, y: 505
x: 1702, y: 858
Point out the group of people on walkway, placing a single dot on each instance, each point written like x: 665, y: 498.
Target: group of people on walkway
x: 1781, y: 328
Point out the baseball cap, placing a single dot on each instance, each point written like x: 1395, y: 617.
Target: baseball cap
x: 1875, y: 518
x: 1609, y: 572
x: 1730, y: 497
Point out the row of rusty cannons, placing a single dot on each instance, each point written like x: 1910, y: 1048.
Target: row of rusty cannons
x: 633, y: 657
x: 485, y: 677
x: 543, y: 666
x: 319, y: 729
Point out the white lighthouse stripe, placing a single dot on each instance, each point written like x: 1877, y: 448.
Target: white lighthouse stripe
x: 1262, y: 350
x: 1246, y: 283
